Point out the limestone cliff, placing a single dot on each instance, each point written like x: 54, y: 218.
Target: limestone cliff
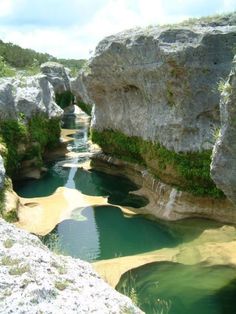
x: 160, y: 83
x: 156, y: 100
x: 29, y: 121
x: 223, y: 167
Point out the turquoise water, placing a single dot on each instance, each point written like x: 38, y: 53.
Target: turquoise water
x: 104, y: 232
x: 180, y: 289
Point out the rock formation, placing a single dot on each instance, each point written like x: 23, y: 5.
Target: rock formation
x: 78, y: 88
x: 223, y: 167
x: 160, y: 83
x: 27, y: 96
x: 156, y: 100
x: 34, y: 280
x: 57, y: 76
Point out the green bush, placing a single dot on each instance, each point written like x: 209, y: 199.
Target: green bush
x: 85, y: 107
x: 65, y: 99
x: 35, y: 135
x: 191, y: 170
x: 5, y: 70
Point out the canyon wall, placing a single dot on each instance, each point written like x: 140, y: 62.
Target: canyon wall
x: 156, y: 95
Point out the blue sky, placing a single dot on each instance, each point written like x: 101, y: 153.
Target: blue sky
x: 72, y: 28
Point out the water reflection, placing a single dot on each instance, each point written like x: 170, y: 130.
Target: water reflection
x: 104, y: 232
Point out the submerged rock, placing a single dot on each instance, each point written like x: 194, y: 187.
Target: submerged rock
x: 57, y: 76
x: 34, y: 280
x: 223, y: 167
x: 160, y: 83
x: 27, y: 96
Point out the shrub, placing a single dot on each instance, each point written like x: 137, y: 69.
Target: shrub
x: 190, y: 171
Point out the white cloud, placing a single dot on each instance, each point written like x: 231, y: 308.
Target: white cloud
x: 6, y: 7
x: 114, y: 16
x: 229, y: 5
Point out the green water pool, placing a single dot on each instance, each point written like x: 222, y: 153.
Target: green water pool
x: 104, y: 232
x: 181, y: 289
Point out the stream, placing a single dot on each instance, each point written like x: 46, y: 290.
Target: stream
x: 103, y: 232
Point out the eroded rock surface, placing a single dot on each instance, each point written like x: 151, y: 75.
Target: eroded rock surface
x: 160, y: 83
x: 57, y: 76
x: 34, y: 280
x: 223, y: 167
x: 78, y: 88
x: 27, y: 96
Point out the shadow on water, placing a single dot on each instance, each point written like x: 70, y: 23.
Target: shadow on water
x: 181, y: 289
x: 104, y: 232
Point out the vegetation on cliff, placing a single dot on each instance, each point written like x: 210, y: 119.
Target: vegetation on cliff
x: 27, y: 140
x: 187, y: 171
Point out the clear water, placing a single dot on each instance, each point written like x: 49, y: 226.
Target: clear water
x: 181, y: 289
x: 104, y: 232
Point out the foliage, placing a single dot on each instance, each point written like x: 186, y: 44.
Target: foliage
x: 19, y: 270
x: 8, y: 243
x: 13, y: 132
x: 30, y: 60
x: 85, y: 107
x: 5, y: 70
x: 27, y: 140
x: 64, y: 99
x: 215, y: 20
x: 61, y: 285
x: 191, y: 169
x: 73, y: 64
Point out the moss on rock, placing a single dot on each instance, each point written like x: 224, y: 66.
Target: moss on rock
x: 186, y: 171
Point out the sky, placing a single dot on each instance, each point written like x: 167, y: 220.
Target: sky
x: 73, y: 28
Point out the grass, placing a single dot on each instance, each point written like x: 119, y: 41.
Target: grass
x: 85, y: 107
x: 19, y: 270
x: 186, y: 171
x: 61, y: 285
x: 8, y: 243
x: 8, y: 261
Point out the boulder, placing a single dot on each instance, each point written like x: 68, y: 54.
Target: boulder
x: 78, y: 88
x: 160, y: 83
x: 27, y: 95
x: 57, y: 76
x: 223, y: 166
x: 35, y: 280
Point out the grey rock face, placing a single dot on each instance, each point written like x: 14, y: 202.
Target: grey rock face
x: 161, y: 83
x: 78, y: 88
x: 34, y: 280
x: 27, y: 95
x: 57, y: 76
x: 2, y: 172
x: 223, y: 167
